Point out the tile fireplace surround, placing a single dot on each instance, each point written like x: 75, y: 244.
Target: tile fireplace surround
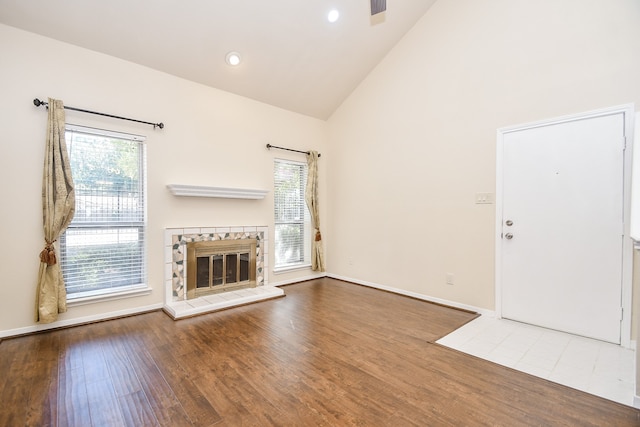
x: 175, y: 251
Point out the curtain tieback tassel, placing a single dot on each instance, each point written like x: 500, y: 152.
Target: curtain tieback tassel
x: 318, y: 236
x: 48, y: 254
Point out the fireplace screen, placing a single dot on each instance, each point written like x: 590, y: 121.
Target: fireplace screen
x: 221, y: 265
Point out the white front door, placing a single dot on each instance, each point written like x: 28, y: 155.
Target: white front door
x: 562, y: 226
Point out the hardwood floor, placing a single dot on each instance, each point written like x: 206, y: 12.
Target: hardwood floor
x: 329, y: 353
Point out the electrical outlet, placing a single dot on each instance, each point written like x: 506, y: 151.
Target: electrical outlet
x: 484, y: 198
x: 449, y: 278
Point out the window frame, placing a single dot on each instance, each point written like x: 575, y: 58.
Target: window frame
x: 304, y: 260
x: 124, y: 291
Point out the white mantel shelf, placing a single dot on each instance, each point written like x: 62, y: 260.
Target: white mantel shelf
x: 226, y: 193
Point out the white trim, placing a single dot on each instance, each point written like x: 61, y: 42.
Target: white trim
x: 298, y: 279
x: 103, y: 132
x: 220, y: 192
x: 628, y: 110
x: 627, y: 248
x: 109, y: 296
x: 633, y: 142
x: 289, y: 268
x: 293, y: 162
x: 636, y: 401
x: 80, y: 320
x: 498, y: 224
x: 416, y: 295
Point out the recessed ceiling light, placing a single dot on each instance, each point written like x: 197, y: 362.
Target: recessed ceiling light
x: 333, y: 15
x: 233, y: 58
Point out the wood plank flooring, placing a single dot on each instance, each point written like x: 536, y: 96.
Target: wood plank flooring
x: 329, y: 354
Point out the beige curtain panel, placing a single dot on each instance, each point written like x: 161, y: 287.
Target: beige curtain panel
x: 311, y: 197
x: 58, y: 207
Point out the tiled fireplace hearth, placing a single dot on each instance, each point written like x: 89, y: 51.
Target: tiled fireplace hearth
x: 177, y: 305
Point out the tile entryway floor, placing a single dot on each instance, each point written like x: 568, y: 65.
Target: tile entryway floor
x: 599, y: 368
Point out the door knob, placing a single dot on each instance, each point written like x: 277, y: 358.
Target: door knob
x: 509, y: 223
x: 508, y: 236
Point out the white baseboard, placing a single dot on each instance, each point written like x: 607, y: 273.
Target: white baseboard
x: 298, y: 279
x: 78, y: 321
x: 636, y: 401
x: 416, y: 295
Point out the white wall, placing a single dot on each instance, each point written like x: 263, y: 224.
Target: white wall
x: 415, y: 142
x: 211, y: 138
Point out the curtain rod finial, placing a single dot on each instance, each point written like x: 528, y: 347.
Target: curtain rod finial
x: 38, y: 103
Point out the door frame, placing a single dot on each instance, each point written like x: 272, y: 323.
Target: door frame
x: 628, y: 112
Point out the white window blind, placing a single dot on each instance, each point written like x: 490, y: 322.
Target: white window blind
x: 103, y: 249
x: 292, y: 219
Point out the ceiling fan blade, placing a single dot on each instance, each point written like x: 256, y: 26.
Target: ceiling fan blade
x: 378, y: 6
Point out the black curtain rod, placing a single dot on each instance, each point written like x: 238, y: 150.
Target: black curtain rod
x: 289, y: 149
x: 38, y: 103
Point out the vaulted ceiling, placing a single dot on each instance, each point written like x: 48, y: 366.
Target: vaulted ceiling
x: 292, y: 56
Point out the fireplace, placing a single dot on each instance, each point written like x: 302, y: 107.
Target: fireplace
x: 219, y: 266
x: 177, y: 259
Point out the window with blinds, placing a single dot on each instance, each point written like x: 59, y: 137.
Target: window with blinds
x: 103, y: 249
x: 292, y: 219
